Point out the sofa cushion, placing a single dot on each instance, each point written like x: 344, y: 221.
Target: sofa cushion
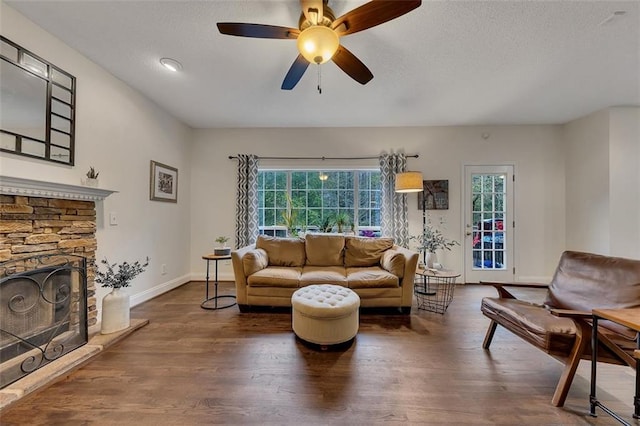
x: 533, y: 323
x: 282, y: 251
x: 324, y: 249
x: 254, y: 260
x: 371, y: 277
x: 365, y: 251
x: 393, y: 261
x: 323, y: 275
x: 276, y: 276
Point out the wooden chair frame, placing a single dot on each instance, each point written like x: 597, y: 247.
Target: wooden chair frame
x: 580, y: 349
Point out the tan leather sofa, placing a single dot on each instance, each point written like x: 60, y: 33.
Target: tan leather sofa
x: 561, y: 326
x: 268, y: 272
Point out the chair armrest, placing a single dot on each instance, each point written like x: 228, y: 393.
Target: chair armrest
x: 636, y: 354
x: 505, y: 294
x: 570, y: 313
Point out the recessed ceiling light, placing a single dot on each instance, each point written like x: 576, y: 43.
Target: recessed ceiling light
x: 171, y: 64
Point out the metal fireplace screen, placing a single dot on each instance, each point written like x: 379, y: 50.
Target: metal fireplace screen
x: 43, y: 312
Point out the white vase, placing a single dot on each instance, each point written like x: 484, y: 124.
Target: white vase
x: 115, y: 311
x: 90, y: 182
x: 431, y: 260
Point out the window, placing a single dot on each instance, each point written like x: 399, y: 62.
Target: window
x: 325, y: 201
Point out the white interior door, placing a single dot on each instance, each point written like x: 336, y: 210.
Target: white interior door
x: 489, y: 223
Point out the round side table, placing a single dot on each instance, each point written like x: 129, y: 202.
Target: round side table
x: 208, y: 301
x: 435, y: 292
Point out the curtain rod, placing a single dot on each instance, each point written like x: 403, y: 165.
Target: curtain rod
x: 234, y: 157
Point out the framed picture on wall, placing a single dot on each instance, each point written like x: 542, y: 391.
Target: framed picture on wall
x: 164, y: 183
x: 437, y: 193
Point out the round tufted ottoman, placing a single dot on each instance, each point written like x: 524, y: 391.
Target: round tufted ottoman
x: 325, y: 314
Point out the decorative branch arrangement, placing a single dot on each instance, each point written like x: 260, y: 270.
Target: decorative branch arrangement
x: 119, y: 275
x: 432, y: 239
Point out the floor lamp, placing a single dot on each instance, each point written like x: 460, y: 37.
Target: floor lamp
x: 412, y: 182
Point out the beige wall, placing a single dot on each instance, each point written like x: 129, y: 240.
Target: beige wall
x: 118, y: 131
x: 602, y: 163
x: 624, y: 182
x: 535, y: 151
x: 587, y: 171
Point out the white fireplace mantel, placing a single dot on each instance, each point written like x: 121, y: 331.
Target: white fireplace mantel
x: 37, y: 188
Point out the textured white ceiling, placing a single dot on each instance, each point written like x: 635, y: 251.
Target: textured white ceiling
x: 446, y: 63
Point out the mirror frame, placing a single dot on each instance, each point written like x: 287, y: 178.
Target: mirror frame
x: 50, y: 114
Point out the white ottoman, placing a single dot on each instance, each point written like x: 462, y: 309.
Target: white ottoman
x: 325, y: 314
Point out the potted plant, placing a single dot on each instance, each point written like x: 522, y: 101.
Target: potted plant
x: 223, y: 250
x: 92, y: 177
x: 342, y: 221
x: 327, y: 224
x: 115, y: 305
x: 431, y: 240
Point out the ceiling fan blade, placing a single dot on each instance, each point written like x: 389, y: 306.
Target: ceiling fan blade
x: 351, y: 65
x: 257, y: 30
x: 370, y: 14
x: 313, y: 10
x: 295, y: 73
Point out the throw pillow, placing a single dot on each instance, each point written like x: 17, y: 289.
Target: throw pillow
x: 282, y: 251
x: 365, y: 251
x: 324, y: 249
x: 393, y: 261
x: 254, y: 261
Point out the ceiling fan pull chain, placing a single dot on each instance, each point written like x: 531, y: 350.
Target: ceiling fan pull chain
x: 319, y: 81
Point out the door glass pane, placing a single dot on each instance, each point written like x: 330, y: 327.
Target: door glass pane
x: 488, y: 194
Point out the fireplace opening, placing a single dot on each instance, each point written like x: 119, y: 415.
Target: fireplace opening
x: 43, y: 312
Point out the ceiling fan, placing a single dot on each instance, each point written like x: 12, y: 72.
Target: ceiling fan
x: 318, y: 34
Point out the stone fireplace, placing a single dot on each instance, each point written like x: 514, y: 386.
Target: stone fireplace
x: 48, y: 222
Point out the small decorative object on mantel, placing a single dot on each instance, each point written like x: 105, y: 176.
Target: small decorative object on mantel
x: 115, y: 305
x: 92, y: 178
x: 431, y: 240
x: 222, y: 250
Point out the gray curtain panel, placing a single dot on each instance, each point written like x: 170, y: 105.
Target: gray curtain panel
x: 247, y: 201
x: 394, y: 214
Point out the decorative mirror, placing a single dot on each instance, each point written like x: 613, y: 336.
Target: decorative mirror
x: 37, y: 106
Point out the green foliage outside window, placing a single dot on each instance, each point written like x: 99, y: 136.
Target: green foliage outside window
x: 301, y: 200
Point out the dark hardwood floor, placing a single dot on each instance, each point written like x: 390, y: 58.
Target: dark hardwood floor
x: 192, y: 366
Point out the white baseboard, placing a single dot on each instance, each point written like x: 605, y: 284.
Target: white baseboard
x: 158, y: 290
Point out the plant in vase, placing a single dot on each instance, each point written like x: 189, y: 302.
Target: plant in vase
x: 223, y: 250
x: 342, y: 220
x: 115, y: 305
x: 431, y: 240
x: 92, y: 177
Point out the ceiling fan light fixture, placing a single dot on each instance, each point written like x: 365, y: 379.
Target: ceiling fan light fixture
x: 318, y: 44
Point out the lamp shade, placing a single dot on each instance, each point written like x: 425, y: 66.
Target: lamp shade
x: 318, y: 44
x: 409, y: 182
